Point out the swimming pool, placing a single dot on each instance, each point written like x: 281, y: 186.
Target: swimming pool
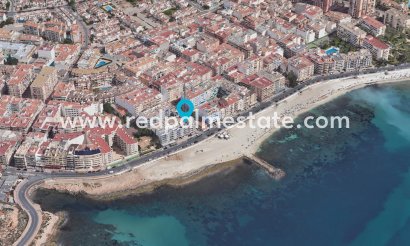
x: 332, y: 50
x: 102, y: 62
x: 107, y: 8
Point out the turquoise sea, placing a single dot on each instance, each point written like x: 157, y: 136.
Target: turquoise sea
x: 343, y: 187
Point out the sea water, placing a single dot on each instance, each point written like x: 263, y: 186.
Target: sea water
x: 343, y: 187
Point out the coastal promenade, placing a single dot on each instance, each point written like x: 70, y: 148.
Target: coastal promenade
x: 204, y: 151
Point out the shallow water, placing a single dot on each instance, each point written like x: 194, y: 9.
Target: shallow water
x: 344, y: 187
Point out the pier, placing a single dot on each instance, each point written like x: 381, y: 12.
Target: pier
x: 275, y: 172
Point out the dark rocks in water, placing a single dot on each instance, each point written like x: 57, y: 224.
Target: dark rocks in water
x: 320, y: 147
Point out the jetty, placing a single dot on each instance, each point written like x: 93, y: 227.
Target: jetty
x: 274, y: 172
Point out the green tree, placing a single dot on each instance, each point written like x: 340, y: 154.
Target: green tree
x: 144, y: 132
x: 170, y: 11
x: 133, y: 2
x: 8, y: 21
x: 11, y: 61
x: 68, y: 41
x: 293, y: 79
x: 108, y: 108
x: 72, y: 4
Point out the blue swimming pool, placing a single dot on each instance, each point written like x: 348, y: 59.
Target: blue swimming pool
x: 108, y: 8
x: 105, y: 88
x: 332, y: 50
x: 102, y: 62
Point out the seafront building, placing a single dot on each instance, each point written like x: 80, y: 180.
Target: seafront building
x: 88, y: 155
x: 300, y: 66
x: 358, y: 60
x: 378, y: 48
x: 125, y: 142
x: 351, y: 33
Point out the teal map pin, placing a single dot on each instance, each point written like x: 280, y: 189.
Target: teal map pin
x: 189, y: 104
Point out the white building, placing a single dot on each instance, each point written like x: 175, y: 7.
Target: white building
x: 351, y: 33
x: 378, y: 48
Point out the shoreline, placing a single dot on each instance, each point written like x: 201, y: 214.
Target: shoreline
x: 194, y: 160
x: 198, y: 161
x: 204, y: 155
x: 150, y: 188
x: 50, y: 228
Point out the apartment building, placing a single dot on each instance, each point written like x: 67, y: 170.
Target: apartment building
x: 396, y: 19
x: 125, y: 142
x: 324, y: 64
x: 359, y: 8
x: 357, y: 60
x: 26, y: 154
x: 55, y: 34
x: 53, y: 31
x: 139, y: 100
x: 250, y: 66
x: 85, y: 158
x: 18, y: 114
x: 52, y: 155
x: 263, y: 87
x: 43, y: 85
x: 301, y: 66
x: 32, y: 28
x: 20, y: 80
x: 378, y: 48
x: 137, y: 67
x: 171, y: 135
x: 223, y: 57
x: 92, y: 154
x: 351, y: 33
x: 373, y: 26
x: 201, y: 93
x: 62, y: 91
x: 7, y: 148
x: 22, y: 52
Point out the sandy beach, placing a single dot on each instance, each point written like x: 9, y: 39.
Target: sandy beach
x: 205, y: 155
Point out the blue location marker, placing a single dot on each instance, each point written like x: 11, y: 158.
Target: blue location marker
x: 191, y: 107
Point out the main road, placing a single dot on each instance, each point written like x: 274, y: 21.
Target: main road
x: 23, y: 189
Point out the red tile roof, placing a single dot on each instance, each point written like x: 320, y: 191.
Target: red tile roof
x: 375, y: 42
x: 123, y: 135
x: 372, y: 22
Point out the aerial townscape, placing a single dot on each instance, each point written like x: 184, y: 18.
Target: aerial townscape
x: 71, y: 59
